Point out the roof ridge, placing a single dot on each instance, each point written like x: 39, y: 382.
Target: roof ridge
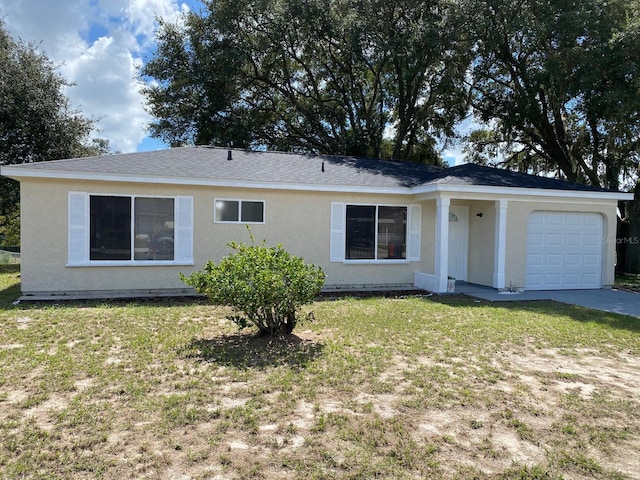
x: 311, y: 154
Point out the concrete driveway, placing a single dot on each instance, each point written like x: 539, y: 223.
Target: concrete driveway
x: 617, y: 301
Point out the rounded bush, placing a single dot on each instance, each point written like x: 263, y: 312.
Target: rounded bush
x: 265, y: 286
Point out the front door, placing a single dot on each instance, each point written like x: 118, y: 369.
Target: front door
x: 458, y: 241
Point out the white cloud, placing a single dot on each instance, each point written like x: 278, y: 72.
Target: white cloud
x: 99, y: 45
x: 142, y: 14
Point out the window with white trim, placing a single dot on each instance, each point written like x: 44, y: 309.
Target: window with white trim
x: 375, y: 232
x: 129, y: 229
x: 238, y: 211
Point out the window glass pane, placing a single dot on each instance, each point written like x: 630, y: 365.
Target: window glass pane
x: 360, y: 243
x: 253, y: 212
x: 110, y: 228
x: 392, y: 232
x: 227, y: 211
x: 153, y: 229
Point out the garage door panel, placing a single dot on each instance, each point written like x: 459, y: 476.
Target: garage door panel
x: 593, y: 221
x: 536, y: 239
x: 554, y: 239
x: 554, y: 219
x: 573, y: 260
x: 573, y: 240
x: 572, y: 280
x: 535, y: 280
x: 553, y: 280
x: 591, y: 279
x: 553, y: 260
x: 564, y: 250
x: 591, y: 260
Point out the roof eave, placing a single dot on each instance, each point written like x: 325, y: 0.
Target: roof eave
x: 439, y: 189
x: 18, y: 174
x: 426, y: 191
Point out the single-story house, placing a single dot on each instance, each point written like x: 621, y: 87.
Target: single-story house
x: 130, y: 223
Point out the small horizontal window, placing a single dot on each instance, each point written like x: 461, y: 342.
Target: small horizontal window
x: 238, y: 211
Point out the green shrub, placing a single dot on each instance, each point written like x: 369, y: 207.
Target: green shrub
x: 10, y: 227
x: 265, y: 286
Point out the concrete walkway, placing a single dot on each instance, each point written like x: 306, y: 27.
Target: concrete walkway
x: 617, y: 301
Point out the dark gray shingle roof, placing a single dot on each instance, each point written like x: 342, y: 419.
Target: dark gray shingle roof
x: 471, y: 174
x: 211, y: 163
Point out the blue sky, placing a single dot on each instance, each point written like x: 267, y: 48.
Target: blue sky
x: 99, y: 46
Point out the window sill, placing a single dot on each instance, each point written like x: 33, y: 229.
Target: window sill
x: 377, y: 262
x: 234, y: 222
x: 131, y: 263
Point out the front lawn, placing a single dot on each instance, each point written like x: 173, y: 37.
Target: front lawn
x: 420, y: 387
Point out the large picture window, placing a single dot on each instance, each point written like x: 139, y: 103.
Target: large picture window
x: 238, y: 211
x: 131, y: 228
x: 114, y: 230
x: 376, y: 232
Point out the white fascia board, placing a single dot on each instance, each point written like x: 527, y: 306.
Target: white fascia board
x: 57, y: 175
x: 435, y: 190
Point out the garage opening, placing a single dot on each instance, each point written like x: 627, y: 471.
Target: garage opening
x: 564, y: 251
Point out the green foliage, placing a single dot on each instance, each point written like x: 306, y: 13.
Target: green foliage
x: 36, y: 120
x: 370, y: 78
x: 557, y: 85
x: 265, y: 286
x: 10, y: 227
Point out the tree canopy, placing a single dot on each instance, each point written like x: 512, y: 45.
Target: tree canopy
x: 36, y: 120
x: 558, y: 83
x: 356, y: 77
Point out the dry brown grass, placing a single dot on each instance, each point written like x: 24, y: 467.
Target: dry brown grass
x: 375, y: 388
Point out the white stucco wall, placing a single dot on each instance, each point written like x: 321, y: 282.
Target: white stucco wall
x: 300, y: 221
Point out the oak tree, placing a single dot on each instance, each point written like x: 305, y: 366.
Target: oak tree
x: 36, y: 120
x: 367, y: 77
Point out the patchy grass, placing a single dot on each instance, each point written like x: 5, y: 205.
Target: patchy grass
x: 440, y: 387
x: 628, y: 280
x: 9, y: 284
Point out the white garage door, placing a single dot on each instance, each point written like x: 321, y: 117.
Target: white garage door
x: 564, y: 251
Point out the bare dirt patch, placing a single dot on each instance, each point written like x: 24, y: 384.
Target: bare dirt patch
x: 380, y: 389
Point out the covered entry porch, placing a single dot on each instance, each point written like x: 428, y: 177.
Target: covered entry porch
x: 469, y: 244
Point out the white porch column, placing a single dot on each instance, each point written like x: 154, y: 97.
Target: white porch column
x: 441, y: 265
x: 500, y: 245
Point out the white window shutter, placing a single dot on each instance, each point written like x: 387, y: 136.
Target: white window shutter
x: 338, y: 228
x: 414, y: 233
x: 184, y: 230
x: 78, y: 247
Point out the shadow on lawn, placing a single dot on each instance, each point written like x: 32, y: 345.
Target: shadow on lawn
x: 547, y: 307
x: 249, y: 351
x: 11, y: 293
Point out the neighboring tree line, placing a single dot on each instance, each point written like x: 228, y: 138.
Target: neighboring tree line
x: 555, y: 85
x: 36, y: 122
